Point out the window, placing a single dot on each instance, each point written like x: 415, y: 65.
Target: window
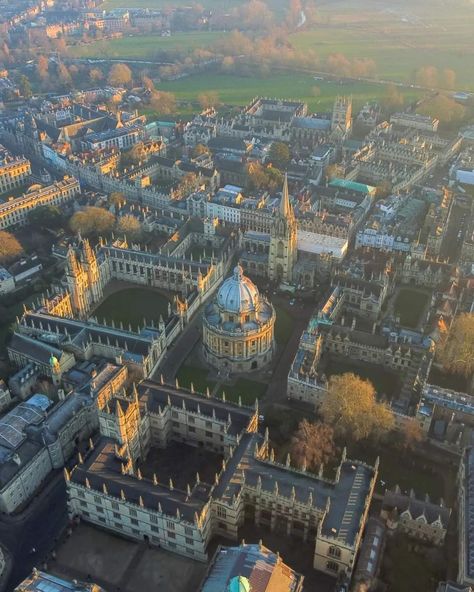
x: 97, y: 499
x: 221, y: 512
x: 155, y: 529
x: 208, y: 434
x: 334, y: 552
x: 134, y: 521
x: 170, y: 524
x: 332, y: 566
x: 189, y: 541
x: 83, y: 503
x: 115, y: 505
x: 117, y: 525
x: 188, y: 530
x: 132, y: 512
x: 154, y: 518
x: 100, y: 510
x: 116, y: 515
x: 171, y: 535
x: 191, y: 429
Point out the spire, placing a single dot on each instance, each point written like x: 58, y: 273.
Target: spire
x: 285, y: 207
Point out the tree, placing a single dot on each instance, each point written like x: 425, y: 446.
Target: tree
x: 42, y: 68
x: 130, y: 227
x: 427, y: 76
x: 24, y: 87
x: 208, y: 99
x: 312, y: 444
x: 447, y: 110
x: 120, y: 75
x: 412, y: 434
x: 392, y: 100
x: 92, y: 221
x: 46, y: 217
x: 457, y: 352
x: 96, y: 75
x: 199, y: 149
x: 260, y: 177
x: 279, y: 155
x: 163, y: 102
x: 117, y: 200
x: 449, y: 78
x: 64, y: 76
x: 352, y: 409
x: 10, y: 248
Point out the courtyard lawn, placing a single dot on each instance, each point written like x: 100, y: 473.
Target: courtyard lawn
x: 188, y: 374
x: 132, y: 306
x: 283, y: 325
x: 412, y: 472
x: 406, y: 568
x: 249, y: 390
x: 409, y: 306
x: 145, y: 47
x: 384, y: 382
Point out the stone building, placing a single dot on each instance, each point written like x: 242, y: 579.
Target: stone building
x: 420, y: 519
x: 238, y: 326
x: 15, y: 212
x: 109, y: 486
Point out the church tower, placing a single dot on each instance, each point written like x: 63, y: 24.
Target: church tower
x: 91, y: 268
x: 283, y: 236
x: 341, y: 122
x: 78, y: 284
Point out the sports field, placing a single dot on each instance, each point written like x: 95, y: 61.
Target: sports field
x: 238, y: 90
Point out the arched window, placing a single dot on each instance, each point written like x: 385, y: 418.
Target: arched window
x: 280, y: 249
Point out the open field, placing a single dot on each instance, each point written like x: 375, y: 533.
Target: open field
x: 398, y: 47
x: 400, y: 37
x: 238, y: 90
x: 143, y: 47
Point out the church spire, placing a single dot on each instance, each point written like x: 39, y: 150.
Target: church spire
x: 285, y: 207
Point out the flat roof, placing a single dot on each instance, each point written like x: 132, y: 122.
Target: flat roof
x: 312, y: 242
x: 352, y: 185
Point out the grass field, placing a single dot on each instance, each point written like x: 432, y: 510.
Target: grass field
x: 238, y: 90
x: 132, y: 305
x: 188, y: 374
x: 409, y: 305
x: 247, y: 389
x: 143, y: 47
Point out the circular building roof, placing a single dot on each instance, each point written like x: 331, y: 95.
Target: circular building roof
x: 238, y: 294
x: 239, y: 584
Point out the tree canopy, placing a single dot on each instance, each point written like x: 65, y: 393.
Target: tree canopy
x: 279, y: 155
x: 351, y: 408
x: 46, y: 217
x: 120, y: 75
x: 130, y: 227
x: 457, y: 352
x: 312, y: 444
x: 10, y: 248
x: 92, y: 221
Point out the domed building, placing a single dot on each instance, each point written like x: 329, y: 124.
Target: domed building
x: 238, y: 326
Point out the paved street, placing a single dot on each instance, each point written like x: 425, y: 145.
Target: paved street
x: 38, y: 527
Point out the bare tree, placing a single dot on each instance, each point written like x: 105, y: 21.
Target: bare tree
x: 313, y: 444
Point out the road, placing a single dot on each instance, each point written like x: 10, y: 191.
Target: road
x: 39, y: 527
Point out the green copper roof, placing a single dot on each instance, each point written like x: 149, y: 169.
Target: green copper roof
x: 352, y: 186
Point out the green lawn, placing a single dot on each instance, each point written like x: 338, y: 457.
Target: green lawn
x: 144, y: 46
x: 411, y: 473
x: 406, y: 568
x: 249, y: 390
x: 283, y: 326
x: 132, y: 305
x: 188, y: 374
x: 384, y: 382
x: 409, y: 305
x: 239, y: 90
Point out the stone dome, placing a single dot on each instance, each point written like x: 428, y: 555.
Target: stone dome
x: 238, y: 294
